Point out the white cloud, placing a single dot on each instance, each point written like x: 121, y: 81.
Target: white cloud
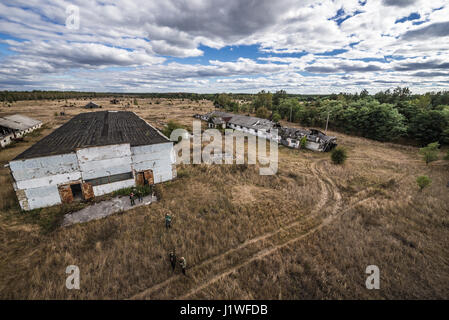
x: 134, y: 35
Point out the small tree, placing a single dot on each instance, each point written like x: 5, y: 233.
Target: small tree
x: 303, y: 142
x: 430, y: 153
x: 276, y: 117
x: 262, y: 112
x: 423, y: 181
x: 339, y: 155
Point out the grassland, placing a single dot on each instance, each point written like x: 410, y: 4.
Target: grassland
x: 306, y: 233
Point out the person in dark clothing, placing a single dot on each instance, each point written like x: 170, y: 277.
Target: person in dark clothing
x: 168, y: 221
x: 183, y: 264
x: 140, y: 196
x: 131, y: 197
x: 173, y: 259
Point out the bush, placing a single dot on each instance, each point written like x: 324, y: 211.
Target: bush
x: 423, y: 181
x: 447, y: 155
x: 158, y: 191
x: 171, y: 125
x: 339, y: 155
x: 303, y: 142
x: 430, y: 153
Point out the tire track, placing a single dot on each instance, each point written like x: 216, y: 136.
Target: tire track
x: 327, y: 195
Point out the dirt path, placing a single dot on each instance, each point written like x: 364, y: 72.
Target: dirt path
x: 336, y: 197
x: 327, y: 195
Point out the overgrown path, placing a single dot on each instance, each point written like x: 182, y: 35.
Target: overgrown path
x: 218, y: 267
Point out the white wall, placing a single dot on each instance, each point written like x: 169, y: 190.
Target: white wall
x: 157, y: 157
x: 37, y: 179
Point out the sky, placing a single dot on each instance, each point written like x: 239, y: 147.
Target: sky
x: 301, y: 46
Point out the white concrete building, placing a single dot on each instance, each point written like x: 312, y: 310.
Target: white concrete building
x: 16, y: 126
x: 93, y: 154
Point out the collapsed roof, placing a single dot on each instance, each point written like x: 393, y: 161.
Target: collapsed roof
x: 18, y: 122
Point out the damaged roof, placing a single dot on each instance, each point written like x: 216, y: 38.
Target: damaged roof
x: 94, y: 129
x: 242, y: 120
x: 18, y: 122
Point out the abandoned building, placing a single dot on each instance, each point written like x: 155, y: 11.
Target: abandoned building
x: 315, y: 139
x: 15, y: 127
x: 94, y: 153
x: 92, y: 105
x: 253, y: 125
x: 290, y: 137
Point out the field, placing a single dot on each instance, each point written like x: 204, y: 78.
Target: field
x: 308, y: 232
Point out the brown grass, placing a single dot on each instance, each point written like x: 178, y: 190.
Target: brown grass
x: 307, y: 232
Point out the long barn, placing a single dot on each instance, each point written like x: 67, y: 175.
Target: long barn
x: 93, y: 154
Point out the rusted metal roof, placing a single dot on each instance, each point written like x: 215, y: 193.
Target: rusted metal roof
x: 93, y: 129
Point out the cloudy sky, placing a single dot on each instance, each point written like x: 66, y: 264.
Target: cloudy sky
x: 224, y: 45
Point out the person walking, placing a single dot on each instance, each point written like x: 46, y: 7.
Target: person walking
x: 183, y: 264
x: 168, y: 219
x: 140, y: 196
x: 131, y: 197
x: 173, y: 260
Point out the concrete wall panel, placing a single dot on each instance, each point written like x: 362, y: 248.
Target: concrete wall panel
x: 43, y: 197
x: 44, y: 166
x: 110, y: 187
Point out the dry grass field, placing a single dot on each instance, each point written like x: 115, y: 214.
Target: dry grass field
x: 307, y: 232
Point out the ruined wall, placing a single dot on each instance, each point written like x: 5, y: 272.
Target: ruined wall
x: 157, y: 157
x: 37, y: 180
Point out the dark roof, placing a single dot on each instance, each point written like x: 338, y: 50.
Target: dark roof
x: 92, y: 129
x: 92, y: 105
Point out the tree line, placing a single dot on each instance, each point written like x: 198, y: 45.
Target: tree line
x: 389, y: 115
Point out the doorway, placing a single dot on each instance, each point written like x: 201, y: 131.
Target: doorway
x: 77, y: 192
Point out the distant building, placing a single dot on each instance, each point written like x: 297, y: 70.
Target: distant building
x: 92, y: 105
x: 16, y: 126
x: 289, y: 137
x: 315, y: 139
x: 94, y: 153
x: 253, y: 125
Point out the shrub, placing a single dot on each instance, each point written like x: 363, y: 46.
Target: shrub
x: 158, y: 191
x: 447, y: 155
x: 339, y: 155
x: 171, y: 125
x: 423, y: 181
x: 303, y: 142
x: 430, y: 153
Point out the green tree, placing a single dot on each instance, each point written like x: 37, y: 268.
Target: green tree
x: 276, y: 117
x: 339, y: 155
x: 423, y: 181
x: 263, y: 99
x: 430, y: 153
x: 430, y: 125
x: 262, y: 112
x: 278, y: 97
